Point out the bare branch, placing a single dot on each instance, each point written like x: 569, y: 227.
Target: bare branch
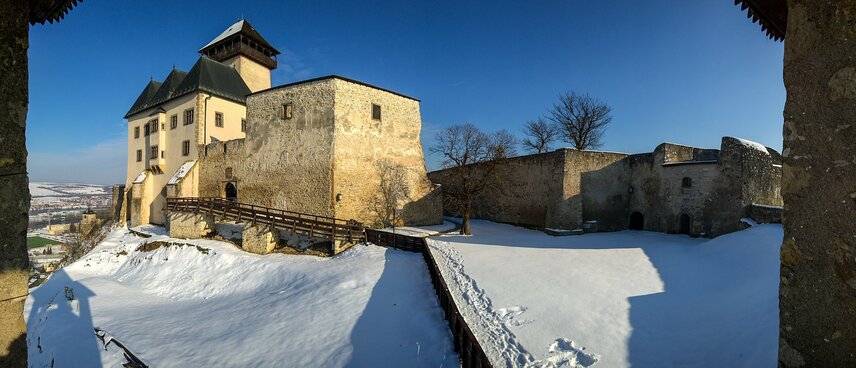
x: 580, y: 120
x: 539, y: 136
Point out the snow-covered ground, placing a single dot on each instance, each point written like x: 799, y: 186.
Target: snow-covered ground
x: 621, y: 299
x: 209, y: 304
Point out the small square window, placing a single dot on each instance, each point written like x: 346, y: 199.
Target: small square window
x: 139, y: 155
x: 375, y: 112
x: 218, y: 119
x: 185, y: 148
x: 287, y: 111
x: 243, y: 125
x: 137, y: 132
x: 173, y: 121
x: 687, y: 182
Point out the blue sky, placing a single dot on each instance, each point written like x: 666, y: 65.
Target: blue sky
x: 674, y: 71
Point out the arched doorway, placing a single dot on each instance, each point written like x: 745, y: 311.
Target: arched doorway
x: 686, y: 224
x: 231, y: 191
x: 637, y: 221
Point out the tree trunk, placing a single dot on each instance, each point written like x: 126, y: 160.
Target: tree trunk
x: 465, y: 224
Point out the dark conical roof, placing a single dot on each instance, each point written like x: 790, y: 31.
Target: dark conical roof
x: 167, y: 88
x: 206, y: 75
x: 145, y: 97
x: 215, y: 78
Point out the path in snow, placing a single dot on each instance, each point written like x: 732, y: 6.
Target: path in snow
x: 617, y: 299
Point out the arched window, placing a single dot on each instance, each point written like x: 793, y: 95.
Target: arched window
x: 686, y: 182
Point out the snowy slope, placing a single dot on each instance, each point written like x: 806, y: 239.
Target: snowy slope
x: 622, y: 299
x: 217, y: 306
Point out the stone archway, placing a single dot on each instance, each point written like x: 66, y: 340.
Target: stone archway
x: 685, y: 224
x: 231, y: 191
x: 637, y: 221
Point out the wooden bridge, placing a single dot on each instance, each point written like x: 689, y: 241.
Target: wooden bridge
x: 314, y: 226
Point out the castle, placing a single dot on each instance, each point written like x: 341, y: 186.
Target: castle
x: 337, y: 147
x: 674, y: 189
x: 323, y: 146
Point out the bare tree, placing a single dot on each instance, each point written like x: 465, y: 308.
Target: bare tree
x: 580, y: 119
x: 393, y: 189
x: 539, y: 136
x: 473, y: 157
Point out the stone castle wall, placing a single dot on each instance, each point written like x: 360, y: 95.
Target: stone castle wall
x: 366, y: 148
x: 565, y: 188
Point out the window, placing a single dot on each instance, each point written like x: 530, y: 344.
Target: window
x: 188, y: 116
x: 163, y: 154
x: 139, y: 155
x: 375, y: 112
x: 185, y: 148
x: 243, y: 125
x: 218, y: 119
x: 687, y: 182
x: 146, y: 129
x: 163, y: 126
x: 173, y: 121
x: 287, y: 111
x: 154, y: 153
x: 137, y: 132
x: 154, y: 124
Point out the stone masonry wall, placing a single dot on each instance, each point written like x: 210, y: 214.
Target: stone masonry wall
x: 817, y: 294
x: 219, y: 163
x: 594, y: 187
x: 530, y: 190
x: 288, y: 163
x: 365, y: 148
x: 15, y: 200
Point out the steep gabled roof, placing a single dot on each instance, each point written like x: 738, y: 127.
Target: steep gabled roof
x: 206, y: 75
x: 216, y: 79
x: 168, y: 87
x: 244, y: 28
x: 145, y: 97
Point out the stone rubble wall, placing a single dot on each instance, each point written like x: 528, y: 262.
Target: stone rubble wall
x: 184, y: 225
x: 364, y: 148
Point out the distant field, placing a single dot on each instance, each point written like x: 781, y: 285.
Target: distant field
x: 38, y: 241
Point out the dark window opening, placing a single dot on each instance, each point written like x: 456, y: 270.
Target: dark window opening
x: 173, y: 121
x: 136, y: 132
x: 375, y: 112
x: 231, y: 191
x: 154, y: 153
x: 139, y: 155
x: 686, y: 182
x: 637, y: 221
x: 218, y: 119
x: 146, y: 130
x: 243, y: 125
x: 154, y: 124
x: 185, y: 148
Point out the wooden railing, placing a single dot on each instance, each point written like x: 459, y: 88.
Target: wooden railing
x: 469, y: 349
x: 314, y: 226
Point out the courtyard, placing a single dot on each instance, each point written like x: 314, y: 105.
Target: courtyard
x: 620, y: 299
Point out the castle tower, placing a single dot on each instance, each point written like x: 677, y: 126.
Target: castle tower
x: 88, y: 222
x: 244, y: 49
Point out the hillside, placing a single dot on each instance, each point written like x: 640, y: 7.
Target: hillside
x: 207, y: 303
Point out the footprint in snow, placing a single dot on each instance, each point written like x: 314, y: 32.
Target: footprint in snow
x: 565, y: 353
x: 508, y: 315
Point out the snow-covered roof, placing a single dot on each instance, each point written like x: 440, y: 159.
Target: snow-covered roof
x: 181, y: 172
x: 233, y: 29
x: 141, y: 177
x: 753, y: 145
